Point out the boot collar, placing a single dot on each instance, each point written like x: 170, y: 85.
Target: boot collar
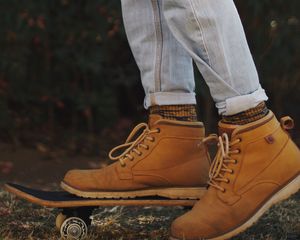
x: 233, y: 130
x: 155, y: 119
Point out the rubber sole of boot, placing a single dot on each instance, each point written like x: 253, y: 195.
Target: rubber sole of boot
x: 172, y: 193
x: 283, y: 194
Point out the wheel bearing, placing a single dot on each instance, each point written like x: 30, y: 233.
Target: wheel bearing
x: 73, y: 228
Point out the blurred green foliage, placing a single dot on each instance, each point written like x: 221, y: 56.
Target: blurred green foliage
x: 65, y: 65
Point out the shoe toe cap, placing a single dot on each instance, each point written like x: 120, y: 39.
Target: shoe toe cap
x: 79, y: 179
x: 190, y: 227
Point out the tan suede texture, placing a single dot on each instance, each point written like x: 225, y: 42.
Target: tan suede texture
x: 176, y: 158
x: 267, y: 162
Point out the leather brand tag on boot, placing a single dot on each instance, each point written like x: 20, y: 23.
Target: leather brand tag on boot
x: 270, y: 139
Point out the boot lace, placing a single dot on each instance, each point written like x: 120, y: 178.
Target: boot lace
x: 132, y: 145
x: 223, y: 158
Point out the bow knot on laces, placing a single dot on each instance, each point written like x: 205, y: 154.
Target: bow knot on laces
x: 132, y: 146
x: 222, y: 159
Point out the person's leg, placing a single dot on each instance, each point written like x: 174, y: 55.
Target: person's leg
x: 212, y: 33
x: 166, y: 68
x: 257, y: 164
x: 169, y: 147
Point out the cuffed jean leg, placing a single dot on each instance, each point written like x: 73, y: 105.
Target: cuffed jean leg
x: 166, y: 67
x: 212, y: 33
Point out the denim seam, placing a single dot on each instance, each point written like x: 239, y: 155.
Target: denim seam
x: 159, y: 45
x: 162, y: 46
x: 201, y: 30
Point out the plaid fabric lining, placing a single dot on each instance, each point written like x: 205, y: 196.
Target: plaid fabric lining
x: 248, y: 116
x: 176, y: 112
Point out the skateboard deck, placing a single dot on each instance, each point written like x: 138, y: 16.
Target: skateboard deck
x: 74, y: 217
x: 62, y: 199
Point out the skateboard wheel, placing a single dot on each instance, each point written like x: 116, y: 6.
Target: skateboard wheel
x: 73, y: 228
x: 59, y: 220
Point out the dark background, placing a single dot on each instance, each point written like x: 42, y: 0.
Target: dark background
x: 68, y: 79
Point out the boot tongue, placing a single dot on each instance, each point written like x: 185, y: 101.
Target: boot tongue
x: 153, y: 118
x: 227, y: 128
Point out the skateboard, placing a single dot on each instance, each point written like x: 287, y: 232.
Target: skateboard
x: 74, y: 217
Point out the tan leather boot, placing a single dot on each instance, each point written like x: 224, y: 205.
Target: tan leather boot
x: 257, y: 165
x: 168, y: 159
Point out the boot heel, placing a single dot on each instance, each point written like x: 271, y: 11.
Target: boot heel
x: 290, y: 189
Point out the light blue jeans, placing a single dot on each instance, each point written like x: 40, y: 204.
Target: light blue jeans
x: 167, y: 35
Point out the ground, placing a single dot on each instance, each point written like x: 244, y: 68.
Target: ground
x: 43, y: 169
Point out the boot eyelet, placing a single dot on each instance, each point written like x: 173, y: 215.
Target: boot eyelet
x: 232, y: 172
x: 224, y: 190
x: 153, y: 139
x: 123, y: 165
x: 240, y: 139
x: 239, y: 151
x: 235, y: 161
x: 147, y: 147
x: 227, y: 180
x: 132, y: 159
x: 158, y: 130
